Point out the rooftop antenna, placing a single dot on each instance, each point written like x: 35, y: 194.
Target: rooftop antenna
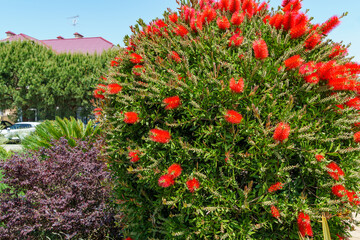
x: 75, y: 20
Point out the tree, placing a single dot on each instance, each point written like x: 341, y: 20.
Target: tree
x: 33, y: 76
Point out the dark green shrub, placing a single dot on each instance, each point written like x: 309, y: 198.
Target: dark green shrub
x: 71, y: 129
x: 233, y: 122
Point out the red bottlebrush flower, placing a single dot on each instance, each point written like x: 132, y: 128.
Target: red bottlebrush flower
x: 335, y: 171
x: 275, y: 187
x: 235, y: 40
x: 172, y: 102
x: 166, y: 181
x: 134, y: 156
x: 357, y: 137
x: 260, y: 49
x: 340, y: 237
x: 137, y: 69
x: 266, y: 19
x: 233, y: 117
x: 175, y: 56
x: 237, y: 87
x: 293, y: 6
x: 275, y: 212
x: 97, y: 111
x: 196, y: 24
x: 193, y: 184
x: 319, y: 157
x: 289, y: 20
x: 98, y: 93
x: 223, y: 23
x: 293, y: 62
x: 304, y: 225
x: 131, y: 117
x: 160, y: 23
x: 209, y: 14
x: 181, y: 31
x: 173, y: 18
x: 234, y: 5
x: 343, y: 84
x: 276, y: 20
x: 129, y: 49
x: 114, y: 63
x: 339, y: 190
x: 330, y: 24
x: 160, y: 136
x: 103, y: 78
x: 248, y: 6
x: 128, y: 238
x: 340, y: 106
x: 136, y: 58
x: 312, y: 41
x: 354, y: 103
x: 114, y: 88
x: 312, y: 78
x: 338, y: 51
x: 285, y: 2
x: 282, y: 132
x: 237, y: 18
x: 298, y: 31
x: 174, y: 170
x: 224, y: 5
x: 262, y: 6
x: 307, y: 68
x: 324, y: 70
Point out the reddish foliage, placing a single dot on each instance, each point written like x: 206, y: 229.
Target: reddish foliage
x: 59, y: 190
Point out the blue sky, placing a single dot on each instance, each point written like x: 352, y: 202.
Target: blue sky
x: 47, y: 19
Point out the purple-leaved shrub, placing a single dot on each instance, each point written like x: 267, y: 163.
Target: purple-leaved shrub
x: 58, y: 190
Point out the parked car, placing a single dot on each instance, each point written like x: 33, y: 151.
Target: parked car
x: 5, y: 124
x: 19, y: 130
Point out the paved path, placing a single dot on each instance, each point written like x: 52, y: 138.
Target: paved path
x: 356, y: 234
x: 12, y: 147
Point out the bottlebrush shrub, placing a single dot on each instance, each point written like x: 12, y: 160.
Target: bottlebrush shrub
x: 245, y: 123
x: 64, y: 194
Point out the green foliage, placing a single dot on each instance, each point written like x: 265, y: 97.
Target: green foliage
x: 235, y: 164
x: 3, y: 153
x: 33, y: 76
x: 71, y: 129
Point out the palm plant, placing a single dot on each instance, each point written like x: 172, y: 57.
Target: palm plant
x: 71, y: 129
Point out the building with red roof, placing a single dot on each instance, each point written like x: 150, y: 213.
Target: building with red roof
x: 78, y: 44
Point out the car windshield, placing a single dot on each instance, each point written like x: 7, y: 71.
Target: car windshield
x: 20, y: 126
